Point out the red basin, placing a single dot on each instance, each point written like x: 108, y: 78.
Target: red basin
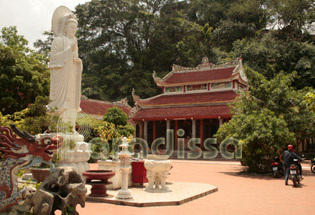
x: 102, y: 175
x: 40, y: 174
x: 98, y: 179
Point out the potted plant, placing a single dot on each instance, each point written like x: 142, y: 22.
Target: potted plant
x: 42, y: 172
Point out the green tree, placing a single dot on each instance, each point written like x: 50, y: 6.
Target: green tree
x: 230, y: 20
x: 107, y: 37
x: 116, y: 116
x: 177, y: 40
x: 44, y: 46
x: 33, y: 119
x: 253, y: 13
x: 23, y: 72
x: 268, y: 55
x: 243, y: 19
x: 292, y: 17
x: 209, y: 11
x: 310, y: 100
x: 119, y: 119
x: 124, y: 41
x: 267, y: 118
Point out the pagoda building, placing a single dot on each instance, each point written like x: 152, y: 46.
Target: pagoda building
x: 193, y: 99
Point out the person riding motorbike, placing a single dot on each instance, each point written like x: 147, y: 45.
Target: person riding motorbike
x: 288, y: 157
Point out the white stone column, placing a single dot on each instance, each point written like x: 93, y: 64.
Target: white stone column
x: 193, y: 128
x: 168, y: 124
x: 220, y: 121
x: 145, y: 130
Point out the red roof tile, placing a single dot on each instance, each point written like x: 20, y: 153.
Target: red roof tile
x: 97, y: 107
x: 182, y: 112
x: 189, y: 98
x: 198, y: 76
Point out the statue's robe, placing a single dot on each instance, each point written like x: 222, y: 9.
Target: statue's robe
x: 65, y: 76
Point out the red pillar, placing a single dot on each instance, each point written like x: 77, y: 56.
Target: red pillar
x: 175, y: 134
x: 154, y: 130
x: 201, y: 133
x: 142, y: 130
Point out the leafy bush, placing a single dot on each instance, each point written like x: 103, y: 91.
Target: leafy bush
x: 110, y: 133
x: 126, y: 130
x: 116, y: 116
x: 107, y: 132
x: 33, y: 119
x: 100, y: 149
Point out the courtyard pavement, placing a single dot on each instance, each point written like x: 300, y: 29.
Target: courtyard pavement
x: 238, y: 194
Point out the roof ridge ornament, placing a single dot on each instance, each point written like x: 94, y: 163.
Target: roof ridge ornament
x: 176, y: 68
x: 135, y: 97
x: 133, y: 111
x: 123, y: 102
x: 155, y: 78
x: 205, y: 63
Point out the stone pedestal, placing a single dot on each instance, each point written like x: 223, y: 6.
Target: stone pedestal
x: 124, y: 193
x: 115, y: 167
x: 157, y: 173
x: 77, y: 157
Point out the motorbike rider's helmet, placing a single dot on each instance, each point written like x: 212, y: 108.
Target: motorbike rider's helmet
x: 290, y: 147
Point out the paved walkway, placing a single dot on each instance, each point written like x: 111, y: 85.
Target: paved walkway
x: 238, y: 194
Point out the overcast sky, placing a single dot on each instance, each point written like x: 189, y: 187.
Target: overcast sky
x: 32, y: 17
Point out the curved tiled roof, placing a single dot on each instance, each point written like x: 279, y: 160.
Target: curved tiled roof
x: 188, y: 99
x: 201, y: 76
x: 98, y: 107
x: 182, y: 112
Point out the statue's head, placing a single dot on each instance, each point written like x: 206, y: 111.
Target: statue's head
x: 70, y: 29
x: 71, y: 25
x: 63, y: 20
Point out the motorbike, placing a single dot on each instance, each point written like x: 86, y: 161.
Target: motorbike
x: 294, y: 174
x: 277, y: 168
x: 313, y: 166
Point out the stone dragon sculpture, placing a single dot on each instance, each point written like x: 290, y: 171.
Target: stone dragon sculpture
x: 20, y: 153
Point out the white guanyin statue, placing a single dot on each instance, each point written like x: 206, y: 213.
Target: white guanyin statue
x: 65, y: 89
x: 65, y: 67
